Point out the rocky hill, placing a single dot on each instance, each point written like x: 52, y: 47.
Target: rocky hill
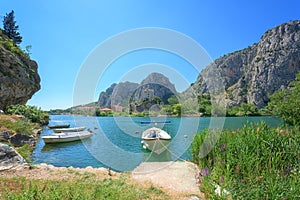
x: 249, y: 75
x: 19, y: 78
x: 128, y: 92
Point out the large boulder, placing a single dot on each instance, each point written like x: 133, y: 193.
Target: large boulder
x: 9, y: 158
x: 20, y: 139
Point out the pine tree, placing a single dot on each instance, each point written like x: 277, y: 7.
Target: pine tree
x: 10, y: 28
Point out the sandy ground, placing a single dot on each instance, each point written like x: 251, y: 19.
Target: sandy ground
x: 173, y: 177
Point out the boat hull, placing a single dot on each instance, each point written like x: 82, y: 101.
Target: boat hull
x: 59, y: 126
x: 156, y: 140
x: 75, y: 129
x: 157, y: 146
x: 66, y: 137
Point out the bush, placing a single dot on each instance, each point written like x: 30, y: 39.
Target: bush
x: 34, y: 114
x: 255, y: 162
x: 286, y: 103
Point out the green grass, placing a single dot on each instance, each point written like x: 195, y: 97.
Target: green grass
x: 255, y: 162
x: 17, y: 125
x: 25, y: 151
x: 86, y: 188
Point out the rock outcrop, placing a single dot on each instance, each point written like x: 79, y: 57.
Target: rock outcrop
x: 20, y: 139
x: 9, y: 158
x: 251, y: 74
x: 125, y: 93
x: 19, y: 78
x: 159, y: 84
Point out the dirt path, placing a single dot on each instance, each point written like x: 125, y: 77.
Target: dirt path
x: 178, y: 177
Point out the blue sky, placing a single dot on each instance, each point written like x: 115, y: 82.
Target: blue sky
x: 64, y: 33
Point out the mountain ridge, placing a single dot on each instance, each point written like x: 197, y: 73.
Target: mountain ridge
x: 125, y: 93
x: 251, y: 74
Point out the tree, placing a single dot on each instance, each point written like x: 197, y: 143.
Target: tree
x: 10, y: 28
x: 286, y: 103
x: 177, y: 109
x: 173, y: 100
x: 204, y: 101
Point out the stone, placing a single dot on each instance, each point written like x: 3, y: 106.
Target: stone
x: 20, y: 139
x: 9, y: 158
x: 4, y: 135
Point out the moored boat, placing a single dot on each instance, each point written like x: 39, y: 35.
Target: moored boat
x: 67, y: 136
x: 74, y: 129
x: 59, y: 126
x: 155, y: 139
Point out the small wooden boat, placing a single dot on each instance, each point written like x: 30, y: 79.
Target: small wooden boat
x: 67, y: 136
x: 74, y: 129
x: 59, y: 126
x: 155, y: 139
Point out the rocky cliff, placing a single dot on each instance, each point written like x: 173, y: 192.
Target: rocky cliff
x: 128, y: 92
x: 161, y: 86
x: 251, y: 74
x: 19, y: 78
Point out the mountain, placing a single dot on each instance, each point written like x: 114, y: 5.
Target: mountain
x: 117, y: 94
x: 125, y: 93
x: 161, y: 86
x: 19, y: 78
x: 251, y: 74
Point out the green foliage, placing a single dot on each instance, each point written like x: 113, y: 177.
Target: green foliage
x: 157, y: 100
x: 255, y: 162
x: 10, y: 28
x: 25, y: 151
x: 177, y: 109
x: 34, y: 114
x: 286, y: 103
x: 84, y: 188
x: 246, y: 109
x: 204, y: 102
x: 103, y: 113
x: 173, y: 100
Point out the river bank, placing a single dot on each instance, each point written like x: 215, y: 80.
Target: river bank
x: 151, y: 183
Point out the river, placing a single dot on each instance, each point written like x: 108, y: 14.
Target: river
x: 116, y: 142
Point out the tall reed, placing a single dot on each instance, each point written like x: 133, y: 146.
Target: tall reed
x: 254, y: 162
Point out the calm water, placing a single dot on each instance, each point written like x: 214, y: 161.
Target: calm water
x: 116, y: 141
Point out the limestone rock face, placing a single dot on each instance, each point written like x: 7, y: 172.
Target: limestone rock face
x: 160, y: 85
x: 251, y: 74
x: 127, y: 92
x: 19, y: 78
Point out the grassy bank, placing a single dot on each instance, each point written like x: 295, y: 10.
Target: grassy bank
x: 255, y: 162
x: 85, y: 187
x: 14, y: 124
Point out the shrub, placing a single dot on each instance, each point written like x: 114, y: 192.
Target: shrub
x: 34, y: 114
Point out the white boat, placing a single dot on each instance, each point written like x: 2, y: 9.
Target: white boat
x: 156, y: 140
x: 74, y: 129
x: 59, y: 126
x: 66, y: 136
